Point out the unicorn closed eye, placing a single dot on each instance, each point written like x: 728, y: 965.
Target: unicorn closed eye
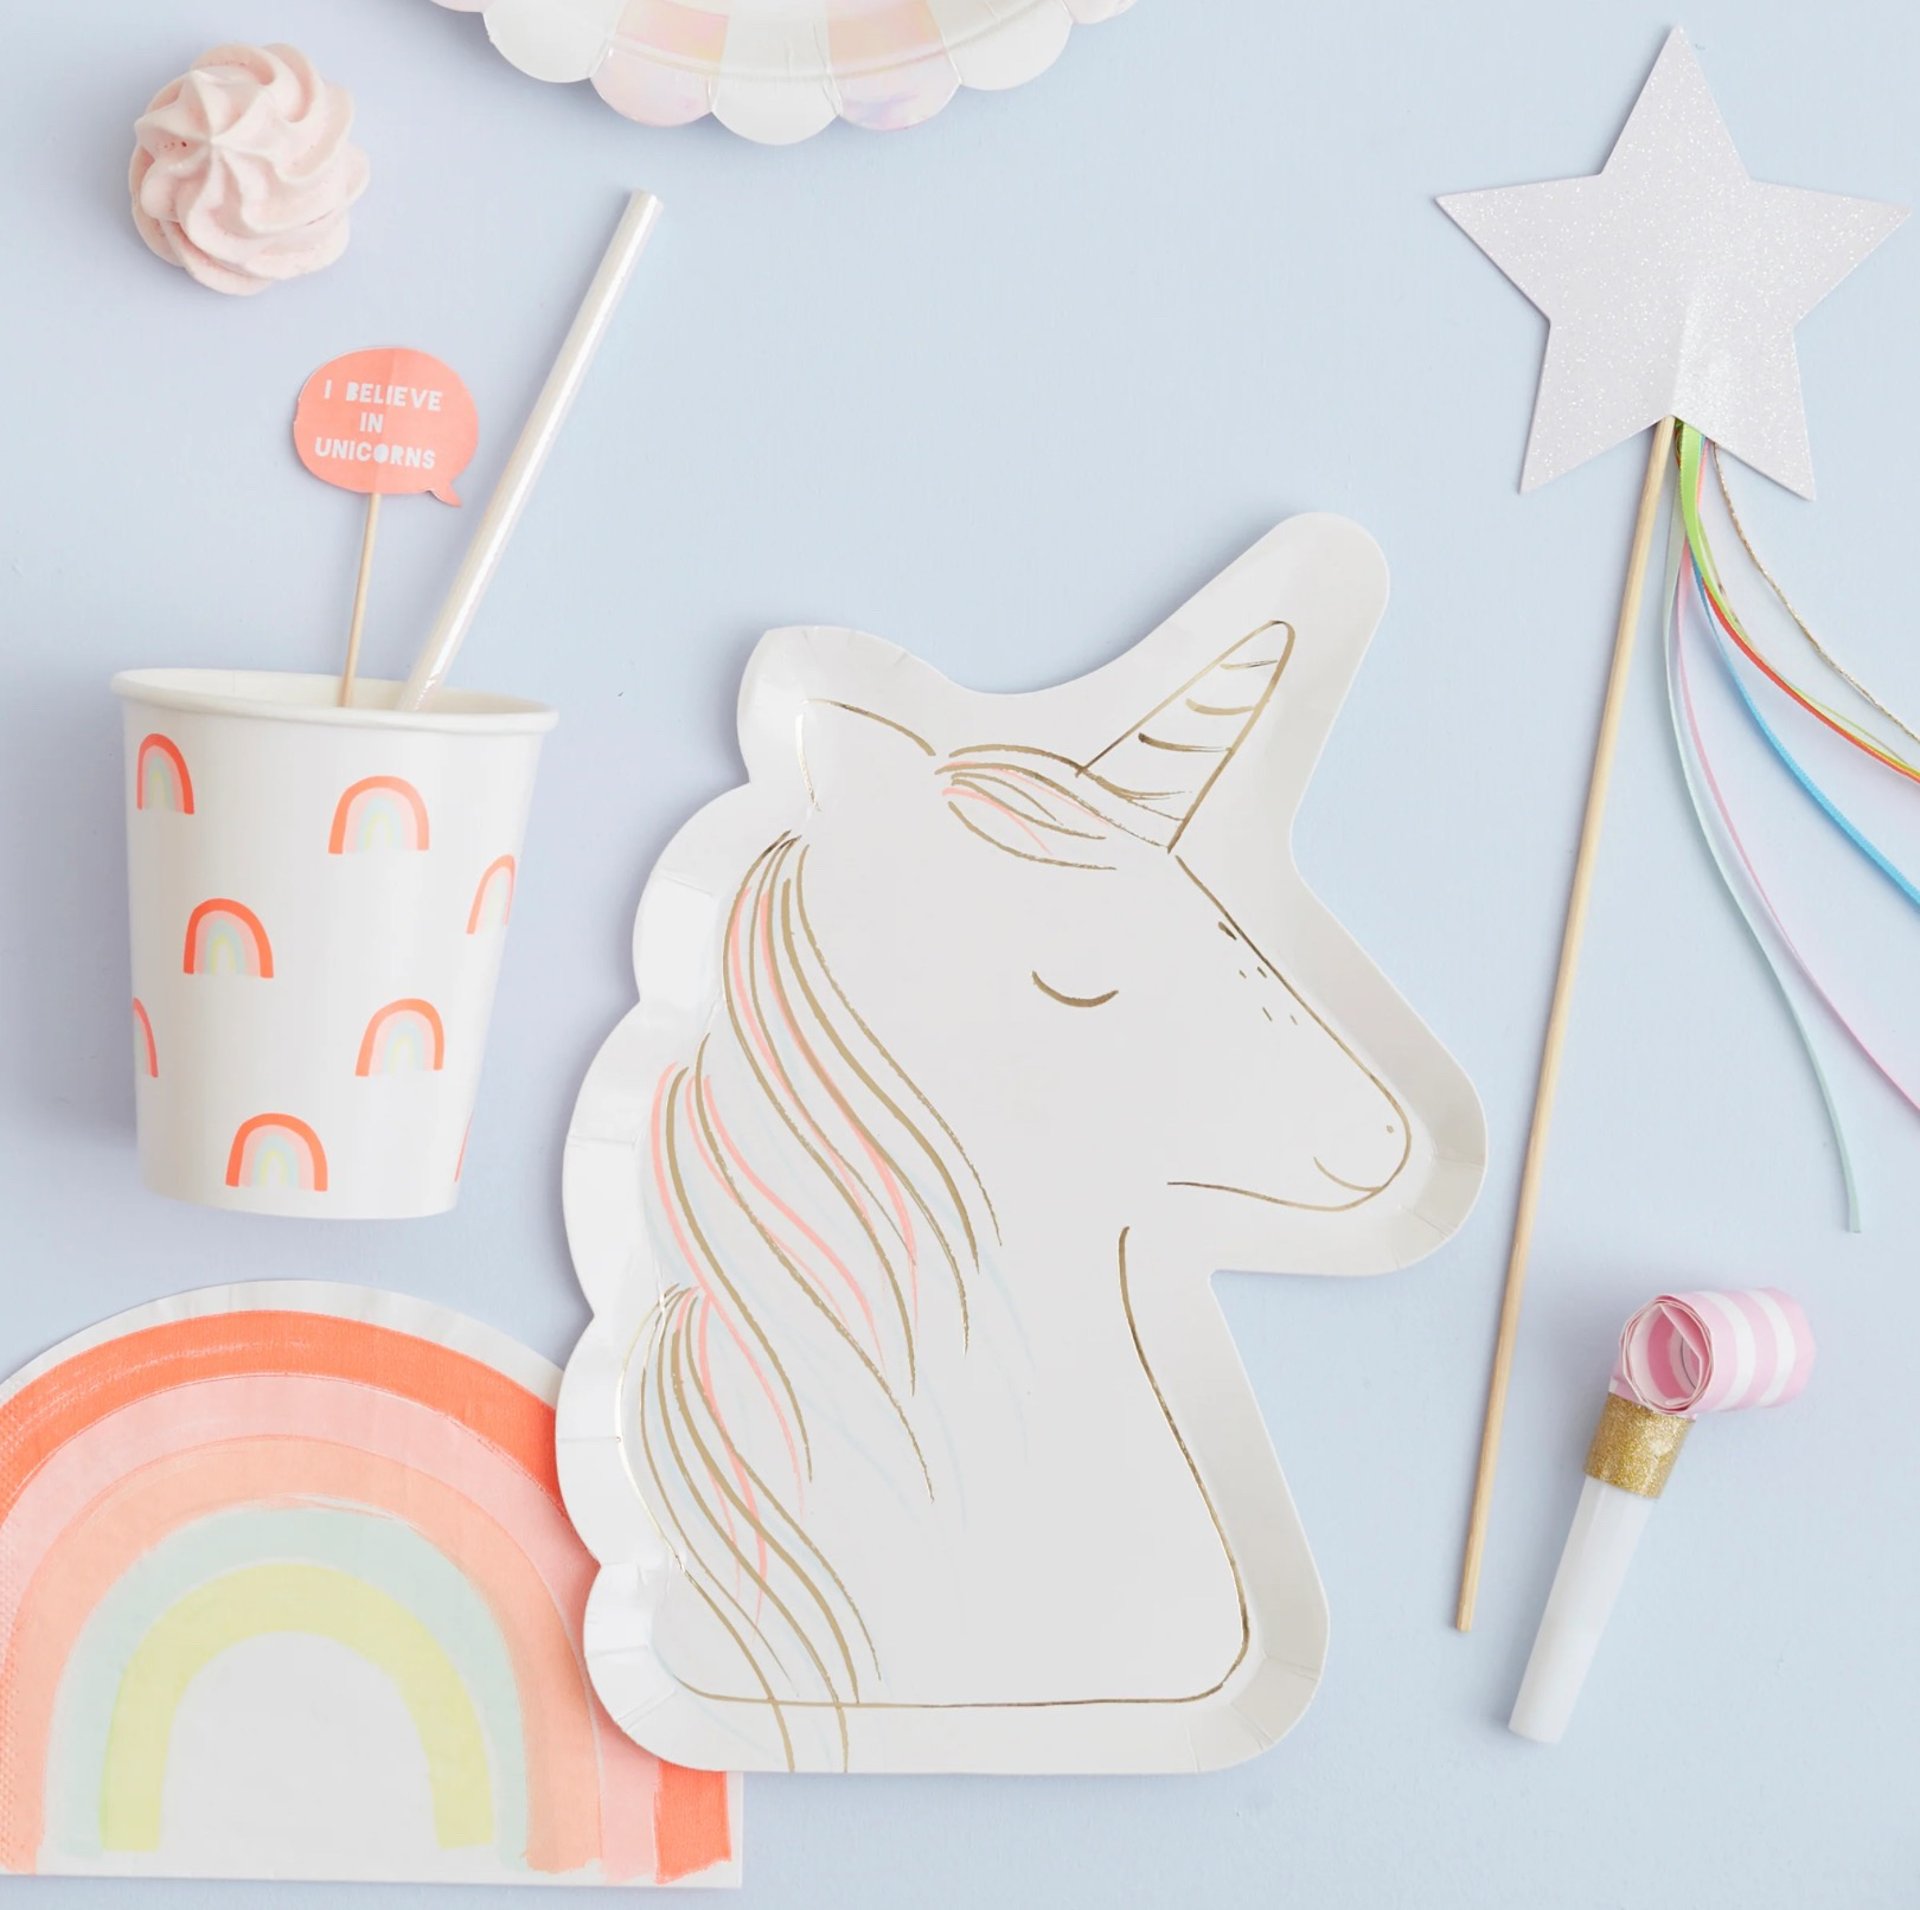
x: 974, y: 1034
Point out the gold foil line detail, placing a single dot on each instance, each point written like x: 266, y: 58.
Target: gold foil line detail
x: 1634, y: 1447
x: 874, y: 716
x: 1072, y: 1001
x: 1067, y: 1704
x: 886, y: 1053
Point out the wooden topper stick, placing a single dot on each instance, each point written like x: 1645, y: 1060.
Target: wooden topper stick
x: 367, y: 538
x: 1611, y: 711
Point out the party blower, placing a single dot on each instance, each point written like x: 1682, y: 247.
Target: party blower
x: 1681, y: 1355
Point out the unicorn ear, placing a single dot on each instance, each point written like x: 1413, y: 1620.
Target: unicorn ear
x: 797, y: 685
x: 848, y: 750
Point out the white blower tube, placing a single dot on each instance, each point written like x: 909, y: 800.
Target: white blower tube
x: 1627, y: 1465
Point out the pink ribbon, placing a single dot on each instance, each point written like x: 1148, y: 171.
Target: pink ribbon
x: 1693, y: 1353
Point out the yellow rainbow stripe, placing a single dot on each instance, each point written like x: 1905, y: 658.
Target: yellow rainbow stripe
x: 322, y: 1603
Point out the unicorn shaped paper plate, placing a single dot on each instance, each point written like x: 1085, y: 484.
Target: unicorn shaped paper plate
x: 779, y: 70
x: 974, y: 1034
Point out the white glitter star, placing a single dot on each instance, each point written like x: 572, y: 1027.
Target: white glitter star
x: 1672, y: 281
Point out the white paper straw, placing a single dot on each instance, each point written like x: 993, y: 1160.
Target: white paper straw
x: 522, y: 470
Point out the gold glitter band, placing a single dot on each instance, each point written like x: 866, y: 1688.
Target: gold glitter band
x: 1634, y: 1446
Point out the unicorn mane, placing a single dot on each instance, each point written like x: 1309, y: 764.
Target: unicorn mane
x: 1039, y: 806
x: 821, y: 1219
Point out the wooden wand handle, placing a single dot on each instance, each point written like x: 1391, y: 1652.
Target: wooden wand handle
x: 1658, y: 456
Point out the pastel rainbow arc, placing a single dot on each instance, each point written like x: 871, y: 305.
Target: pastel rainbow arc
x: 226, y: 937
x: 160, y: 776
x: 281, y: 1464
x: 379, y: 812
x: 146, y: 1053
x: 137, y: 1545
x: 277, y: 1150
x: 203, y: 1531
x: 404, y: 1035
x: 493, y: 897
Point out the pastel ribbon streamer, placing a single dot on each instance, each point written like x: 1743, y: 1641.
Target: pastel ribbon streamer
x: 1800, y: 774
x: 1715, y: 1352
x: 1734, y: 640
x: 1692, y: 446
x: 1701, y: 784
x: 1691, y: 560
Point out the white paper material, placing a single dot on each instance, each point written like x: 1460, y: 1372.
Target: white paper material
x: 777, y: 71
x: 1600, y: 1546
x: 1673, y: 281
x: 319, y: 902
x: 286, y: 1591
x: 974, y: 1034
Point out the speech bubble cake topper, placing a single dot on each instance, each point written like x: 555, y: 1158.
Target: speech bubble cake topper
x: 384, y: 423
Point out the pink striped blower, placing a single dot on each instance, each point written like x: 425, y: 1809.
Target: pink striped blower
x: 1693, y: 1353
x: 1681, y: 1355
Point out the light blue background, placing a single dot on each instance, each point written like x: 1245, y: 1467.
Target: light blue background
x: 1006, y: 389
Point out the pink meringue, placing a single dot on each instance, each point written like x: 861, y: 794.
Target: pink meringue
x: 242, y: 172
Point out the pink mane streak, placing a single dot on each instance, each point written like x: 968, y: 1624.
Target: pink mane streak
x: 679, y: 1310
x: 902, y: 1220
x: 954, y: 792
x: 664, y: 1189
x: 773, y: 1200
x: 843, y: 1173
x: 704, y: 1360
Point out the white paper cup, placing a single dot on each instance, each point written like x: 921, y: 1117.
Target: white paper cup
x: 319, y: 901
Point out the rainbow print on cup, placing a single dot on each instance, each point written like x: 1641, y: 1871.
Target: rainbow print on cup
x: 404, y: 1034
x: 277, y: 1150
x: 160, y: 778
x: 225, y: 938
x: 318, y: 899
x: 379, y: 812
x: 493, y: 899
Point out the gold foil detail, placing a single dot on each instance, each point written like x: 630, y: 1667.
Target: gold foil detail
x: 1634, y: 1446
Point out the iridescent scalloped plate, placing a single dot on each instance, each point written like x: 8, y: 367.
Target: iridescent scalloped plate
x: 779, y: 70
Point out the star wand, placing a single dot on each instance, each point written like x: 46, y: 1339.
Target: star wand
x: 1672, y: 282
